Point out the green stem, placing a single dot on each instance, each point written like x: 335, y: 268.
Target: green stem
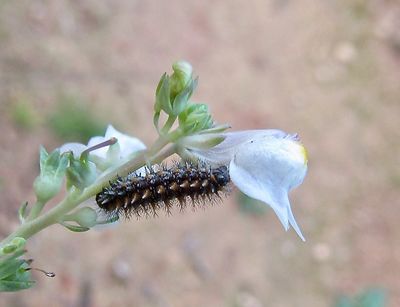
x: 168, y: 124
x: 76, y: 197
x: 36, y: 209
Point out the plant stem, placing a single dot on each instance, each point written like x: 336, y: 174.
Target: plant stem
x: 76, y: 197
x: 168, y: 124
x: 36, y: 209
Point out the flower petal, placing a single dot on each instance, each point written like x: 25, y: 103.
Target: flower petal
x: 76, y: 148
x: 266, y: 168
x: 224, y: 152
x: 99, y: 152
x: 128, y: 144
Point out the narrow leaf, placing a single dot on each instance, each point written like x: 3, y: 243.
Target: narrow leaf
x: 74, y: 228
x: 22, y: 213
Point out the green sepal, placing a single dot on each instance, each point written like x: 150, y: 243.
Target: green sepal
x: 74, y: 228
x: 54, y: 163
x: 195, y: 118
x: 173, y: 92
x: 180, y: 78
x: 156, y: 119
x: 85, y: 217
x: 52, y: 170
x: 202, y: 141
x: 14, y: 275
x: 163, y: 100
x: 81, y: 172
x: 10, y: 267
x: 216, y: 129
x: 20, y: 280
x: 22, y: 213
x: 181, y: 99
x: 109, y: 220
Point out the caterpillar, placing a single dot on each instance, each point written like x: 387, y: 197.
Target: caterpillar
x: 161, y: 189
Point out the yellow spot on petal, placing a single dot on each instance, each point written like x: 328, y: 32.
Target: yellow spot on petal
x: 304, y: 153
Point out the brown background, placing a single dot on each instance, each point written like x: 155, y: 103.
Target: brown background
x: 328, y: 70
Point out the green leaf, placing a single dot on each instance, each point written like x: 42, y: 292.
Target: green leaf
x: 10, y: 267
x: 15, y: 274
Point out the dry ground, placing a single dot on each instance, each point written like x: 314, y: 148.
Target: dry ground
x: 328, y: 70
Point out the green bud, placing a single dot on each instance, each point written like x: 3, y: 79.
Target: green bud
x: 181, y: 76
x: 81, y: 172
x: 195, y: 118
x: 181, y: 100
x: 173, y: 92
x: 46, y: 188
x: 85, y: 217
x: 19, y: 242
x: 52, y: 170
x: 15, y: 244
x: 9, y: 249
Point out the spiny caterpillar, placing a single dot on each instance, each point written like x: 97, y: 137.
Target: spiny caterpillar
x: 162, y: 188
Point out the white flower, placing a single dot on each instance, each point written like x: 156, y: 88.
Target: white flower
x: 123, y: 149
x: 263, y: 164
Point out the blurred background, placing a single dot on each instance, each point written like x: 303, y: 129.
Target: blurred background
x: 329, y: 70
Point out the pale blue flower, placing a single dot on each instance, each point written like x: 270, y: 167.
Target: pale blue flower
x: 263, y: 164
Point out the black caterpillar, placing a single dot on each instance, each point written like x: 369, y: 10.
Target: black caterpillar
x: 161, y: 189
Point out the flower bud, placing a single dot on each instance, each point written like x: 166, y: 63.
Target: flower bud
x: 52, y: 170
x: 195, y: 118
x: 15, y: 244
x: 173, y: 92
x: 85, y: 217
x: 180, y: 78
x: 46, y: 188
x: 81, y: 172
